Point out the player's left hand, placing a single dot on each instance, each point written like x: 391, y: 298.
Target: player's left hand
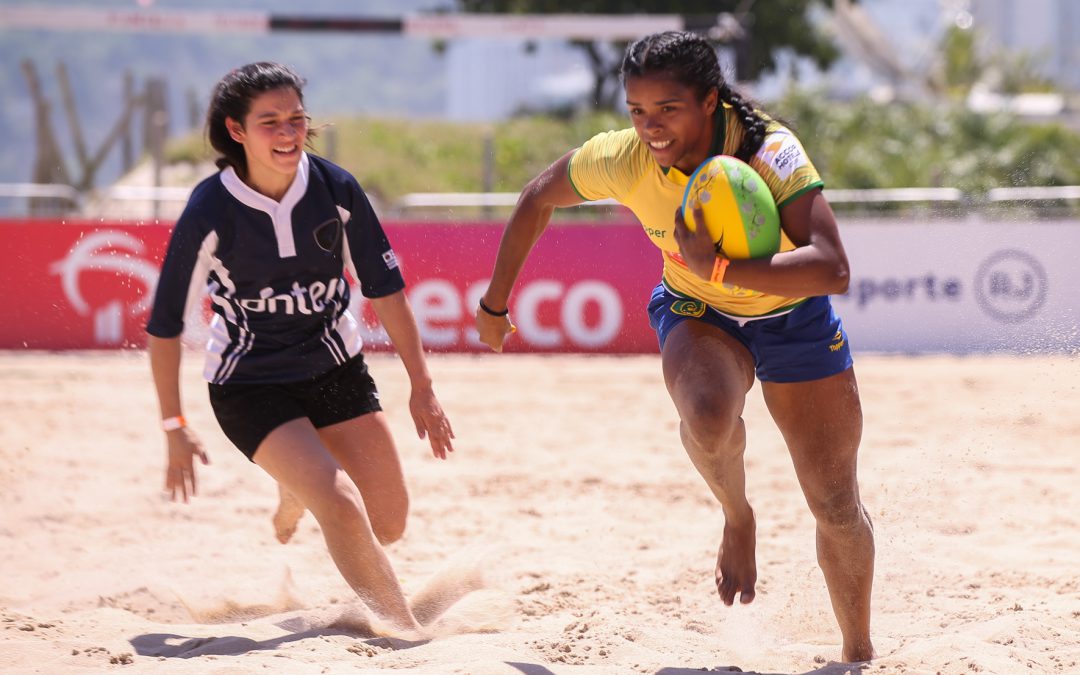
x: 431, y: 421
x: 696, y: 248
x: 182, y: 447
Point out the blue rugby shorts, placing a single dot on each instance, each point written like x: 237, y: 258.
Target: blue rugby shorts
x: 806, y: 343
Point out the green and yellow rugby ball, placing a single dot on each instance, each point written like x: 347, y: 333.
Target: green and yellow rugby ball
x: 736, y: 205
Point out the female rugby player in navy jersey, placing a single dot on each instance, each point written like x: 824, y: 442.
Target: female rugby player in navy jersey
x: 270, y: 237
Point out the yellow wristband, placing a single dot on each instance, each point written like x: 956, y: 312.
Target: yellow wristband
x: 173, y: 423
x: 718, y: 269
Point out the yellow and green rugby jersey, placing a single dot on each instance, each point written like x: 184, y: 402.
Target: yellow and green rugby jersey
x: 618, y: 165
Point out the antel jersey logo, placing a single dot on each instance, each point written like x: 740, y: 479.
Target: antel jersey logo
x: 1011, y: 285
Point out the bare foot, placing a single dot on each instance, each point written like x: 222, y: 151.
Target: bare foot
x: 736, y: 564
x: 288, y: 514
x: 860, y: 651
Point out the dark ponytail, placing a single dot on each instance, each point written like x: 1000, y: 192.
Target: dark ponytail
x: 691, y: 60
x: 232, y: 99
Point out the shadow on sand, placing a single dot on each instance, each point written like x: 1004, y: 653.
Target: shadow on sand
x: 828, y: 669
x: 171, y: 645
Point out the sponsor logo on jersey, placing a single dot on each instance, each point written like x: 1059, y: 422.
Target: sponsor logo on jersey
x: 328, y: 235
x: 782, y: 153
x: 298, y: 300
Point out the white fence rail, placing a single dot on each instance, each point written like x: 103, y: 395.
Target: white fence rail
x: 1034, y: 194
x: 40, y: 191
x: 136, y: 201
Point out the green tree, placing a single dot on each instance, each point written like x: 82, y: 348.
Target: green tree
x: 863, y: 144
x: 964, y: 64
x: 756, y: 31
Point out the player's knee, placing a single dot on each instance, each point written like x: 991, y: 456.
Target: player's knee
x: 340, y: 504
x: 389, y: 523
x: 838, y: 511
x: 710, y: 420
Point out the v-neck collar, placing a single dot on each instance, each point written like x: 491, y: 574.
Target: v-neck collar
x: 280, y: 212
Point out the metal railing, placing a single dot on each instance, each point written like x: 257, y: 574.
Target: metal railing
x: 937, y: 200
x: 1034, y: 194
x: 462, y: 199
x: 40, y: 191
x: 894, y: 196
x: 870, y: 196
x: 51, y: 199
x: 135, y: 201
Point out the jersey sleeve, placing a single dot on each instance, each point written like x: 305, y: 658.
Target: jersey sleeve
x: 785, y: 166
x: 183, y: 272
x: 368, y: 253
x: 608, y: 165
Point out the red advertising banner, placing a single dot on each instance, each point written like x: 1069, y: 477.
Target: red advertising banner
x: 78, y: 285
x: 89, y: 285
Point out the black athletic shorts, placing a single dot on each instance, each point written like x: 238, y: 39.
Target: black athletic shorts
x: 248, y: 413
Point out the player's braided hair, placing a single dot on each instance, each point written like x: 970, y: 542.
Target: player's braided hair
x: 232, y: 99
x: 753, y: 124
x: 691, y: 59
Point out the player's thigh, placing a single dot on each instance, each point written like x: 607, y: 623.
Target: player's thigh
x: 294, y: 455
x: 365, y: 448
x: 821, y: 421
x: 706, y: 370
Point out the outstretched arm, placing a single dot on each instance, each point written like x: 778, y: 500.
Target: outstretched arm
x: 397, y: 318
x: 550, y: 189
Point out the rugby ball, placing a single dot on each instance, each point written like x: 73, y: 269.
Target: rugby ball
x: 737, y: 207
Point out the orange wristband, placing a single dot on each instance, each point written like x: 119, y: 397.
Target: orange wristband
x: 718, y: 269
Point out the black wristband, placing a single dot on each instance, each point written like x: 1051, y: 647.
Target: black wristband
x: 491, y: 311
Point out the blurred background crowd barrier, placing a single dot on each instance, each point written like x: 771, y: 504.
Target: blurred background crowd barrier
x: 952, y: 286
x: 948, y: 133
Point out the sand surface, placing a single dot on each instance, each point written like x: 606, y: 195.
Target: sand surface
x: 570, y: 490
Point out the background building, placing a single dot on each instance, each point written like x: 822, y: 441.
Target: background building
x: 1048, y: 30
x: 889, y: 47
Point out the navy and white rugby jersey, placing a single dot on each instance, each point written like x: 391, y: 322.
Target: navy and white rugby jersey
x: 275, y: 273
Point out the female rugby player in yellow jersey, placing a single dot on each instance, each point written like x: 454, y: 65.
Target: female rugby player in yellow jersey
x: 722, y: 322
